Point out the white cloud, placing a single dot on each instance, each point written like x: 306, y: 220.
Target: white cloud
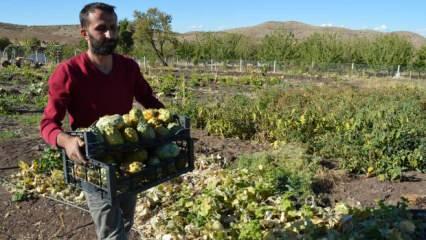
x: 331, y: 25
x: 421, y: 31
x: 382, y: 28
x: 196, y: 27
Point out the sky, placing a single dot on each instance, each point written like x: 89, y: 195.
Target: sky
x: 214, y: 15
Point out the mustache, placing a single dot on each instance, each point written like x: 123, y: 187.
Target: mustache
x: 105, y: 47
x: 106, y: 41
x: 110, y: 41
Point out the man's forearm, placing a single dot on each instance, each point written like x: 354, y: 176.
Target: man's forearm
x: 62, y: 139
x: 72, y: 145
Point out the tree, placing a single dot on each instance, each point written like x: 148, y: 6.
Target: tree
x: 419, y: 61
x: 206, y: 47
x: 321, y: 48
x: 228, y: 46
x: 354, y: 50
x: 246, y: 48
x: 4, y: 42
x: 278, y: 46
x: 125, y: 39
x: 185, y: 50
x: 389, y: 50
x: 154, y: 27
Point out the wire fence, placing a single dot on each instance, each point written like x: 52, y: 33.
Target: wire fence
x: 288, y: 67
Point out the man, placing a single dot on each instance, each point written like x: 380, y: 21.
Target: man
x: 88, y: 86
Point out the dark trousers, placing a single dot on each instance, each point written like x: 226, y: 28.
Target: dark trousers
x: 112, y: 222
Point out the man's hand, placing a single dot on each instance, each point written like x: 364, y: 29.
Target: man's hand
x: 72, y: 145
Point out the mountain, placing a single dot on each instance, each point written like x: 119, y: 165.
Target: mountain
x: 60, y: 33
x: 71, y: 33
x: 302, y: 31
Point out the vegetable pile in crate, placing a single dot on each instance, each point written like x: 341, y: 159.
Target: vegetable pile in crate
x: 131, y: 152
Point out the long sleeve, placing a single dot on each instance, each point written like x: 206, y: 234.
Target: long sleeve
x: 143, y: 92
x: 57, y: 104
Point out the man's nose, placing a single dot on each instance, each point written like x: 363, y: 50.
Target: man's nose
x: 109, y: 34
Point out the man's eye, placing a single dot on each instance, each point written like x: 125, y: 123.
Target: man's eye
x: 101, y: 28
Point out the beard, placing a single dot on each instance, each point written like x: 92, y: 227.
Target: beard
x: 104, y: 48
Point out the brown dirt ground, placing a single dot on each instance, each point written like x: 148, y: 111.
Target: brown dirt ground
x: 334, y: 186
x: 46, y: 219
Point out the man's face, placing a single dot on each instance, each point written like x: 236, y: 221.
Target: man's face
x: 101, y: 32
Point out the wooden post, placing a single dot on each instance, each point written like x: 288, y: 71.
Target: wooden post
x: 241, y: 65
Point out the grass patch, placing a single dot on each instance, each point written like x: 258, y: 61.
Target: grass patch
x: 288, y: 165
x: 9, y: 134
x: 32, y: 120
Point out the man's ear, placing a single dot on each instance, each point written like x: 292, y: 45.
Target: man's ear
x: 83, y: 33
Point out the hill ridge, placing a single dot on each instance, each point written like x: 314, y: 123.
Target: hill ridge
x: 70, y: 33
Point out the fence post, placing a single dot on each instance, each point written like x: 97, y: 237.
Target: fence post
x: 352, y: 68
x: 241, y: 65
x: 398, y: 74
x: 144, y: 63
x: 275, y: 65
x: 211, y: 65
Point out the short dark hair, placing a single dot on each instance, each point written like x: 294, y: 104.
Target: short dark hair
x: 91, y: 7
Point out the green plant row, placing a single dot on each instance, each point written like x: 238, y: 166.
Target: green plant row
x: 377, y: 130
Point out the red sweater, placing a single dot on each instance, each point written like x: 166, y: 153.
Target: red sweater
x: 78, y: 87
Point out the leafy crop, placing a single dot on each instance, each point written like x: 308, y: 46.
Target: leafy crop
x: 383, y: 130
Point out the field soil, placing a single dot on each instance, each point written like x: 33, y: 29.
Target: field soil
x: 44, y: 218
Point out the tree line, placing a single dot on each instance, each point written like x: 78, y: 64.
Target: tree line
x: 150, y: 35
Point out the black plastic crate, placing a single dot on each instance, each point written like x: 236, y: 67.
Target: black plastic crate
x: 110, y: 181
x: 419, y: 215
